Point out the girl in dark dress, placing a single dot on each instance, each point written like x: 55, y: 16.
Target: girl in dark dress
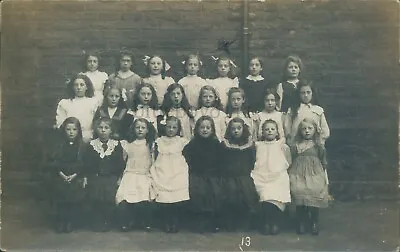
x: 239, y: 193
x: 66, y: 169
x: 203, y: 154
x: 104, y: 164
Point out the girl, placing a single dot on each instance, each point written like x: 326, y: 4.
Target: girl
x: 114, y: 107
x: 176, y: 104
x: 271, y: 99
x: 157, y: 69
x: 225, y: 80
x: 104, y: 164
x: 170, y: 174
x: 145, y: 104
x: 237, y: 107
x: 192, y: 83
x: 66, y: 167
x: 135, y: 191
x: 308, y: 181
x: 287, y: 88
x: 305, y: 105
x: 80, y: 104
x: 203, y: 156
x: 210, y: 105
x: 270, y: 176
x: 254, y: 85
x: 238, y: 158
x: 91, y: 65
x: 124, y: 78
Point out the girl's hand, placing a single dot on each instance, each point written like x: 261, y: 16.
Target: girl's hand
x: 71, y: 177
x: 84, y: 184
x: 62, y: 175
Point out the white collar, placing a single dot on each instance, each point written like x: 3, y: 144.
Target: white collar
x: 111, y: 111
x: 255, y: 78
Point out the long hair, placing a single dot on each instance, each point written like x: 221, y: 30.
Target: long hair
x: 245, y: 136
x: 317, y: 138
x: 217, y: 103
x: 296, y: 98
x: 168, y: 104
x: 231, y: 73
x: 71, y: 120
x: 272, y: 91
x: 163, y: 70
x: 107, y: 90
x: 86, y: 57
x: 197, y: 126
x: 245, y: 107
x: 136, y: 99
x: 278, y: 136
x: 291, y: 58
x: 89, y: 86
x: 151, y: 132
x: 174, y: 118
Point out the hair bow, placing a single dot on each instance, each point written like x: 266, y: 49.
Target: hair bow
x: 200, y: 62
x: 146, y: 62
x: 230, y: 61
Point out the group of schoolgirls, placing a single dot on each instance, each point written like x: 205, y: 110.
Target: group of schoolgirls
x: 222, y: 146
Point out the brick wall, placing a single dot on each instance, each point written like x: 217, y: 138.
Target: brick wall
x: 349, y: 49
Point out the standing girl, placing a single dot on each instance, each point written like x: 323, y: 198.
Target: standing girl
x: 239, y: 194
x: 170, y: 174
x: 124, y: 78
x: 157, y: 70
x: 225, y: 79
x: 114, y: 107
x: 135, y: 191
x: 308, y: 181
x: 203, y: 156
x: 305, y: 105
x: 98, y: 78
x: 176, y: 104
x: 66, y: 167
x: 80, y: 104
x: 287, y: 88
x: 104, y: 164
x: 270, y: 176
x: 210, y: 105
x: 254, y: 85
x: 270, y: 112
x: 192, y: 83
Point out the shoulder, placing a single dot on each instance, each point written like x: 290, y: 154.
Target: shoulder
x: 64, y: 102
x: 170, y: 80
x: 317, y: 109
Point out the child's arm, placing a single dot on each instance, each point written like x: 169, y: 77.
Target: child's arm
x: 324, y: 127
x: 279, y: 91
x: 61, y: 114
x: 281, y: 129
x: 288, y: 155
x: 287, y: 124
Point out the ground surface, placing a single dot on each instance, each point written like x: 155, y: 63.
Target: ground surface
x: 355, y: 226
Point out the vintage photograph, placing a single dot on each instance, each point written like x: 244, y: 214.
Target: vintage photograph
x: 200, y: 125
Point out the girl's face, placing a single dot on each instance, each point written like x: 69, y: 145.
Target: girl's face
x: 255, y: 67
x: 269, y: 131
x: 176, y: 97
x: 140, y: 130
x: 125, y: 63
x: 171, y: 128
x: 270, y: 103
x: 71, y: 130
x: 307, y: 130
x: 293, y: 70
x: 305, y: 94
x: 237, y: 100
x: 156, y: 65
x: 104, y: 131
x: 192, y: 66
x: 236, y: 130
x: 205, y: 129
x: 113, y: 97
x: 92, y: 63
x: 208, y: 98
x: 223, y: 68
x: 145, y: 95
x: 80, y: 88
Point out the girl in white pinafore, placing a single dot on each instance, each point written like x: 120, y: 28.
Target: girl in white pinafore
x: 270, y: 176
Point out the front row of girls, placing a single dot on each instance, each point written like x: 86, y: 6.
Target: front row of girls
x: 221, y: 181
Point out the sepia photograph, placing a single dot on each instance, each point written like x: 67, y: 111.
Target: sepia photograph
x: 200, y: 125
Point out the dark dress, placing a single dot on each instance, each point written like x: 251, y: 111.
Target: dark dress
x: 289, y: 93
x: 121, y: 120
x: 103, y: 169
x: 66, y: 157
x: 255, y: 92
x: 238, y: 187
x: 203, y: 158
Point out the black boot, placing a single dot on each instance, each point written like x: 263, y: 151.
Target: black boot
x: 175, y: 218
x: 60, y: 218
x: 144, y: 212
x: 123, y: 216
x: 275, y: 220
x: 265, y: 218
x: 301, y: 219
x: 314, y: 214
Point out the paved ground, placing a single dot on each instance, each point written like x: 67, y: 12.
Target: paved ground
x: 355, y: 226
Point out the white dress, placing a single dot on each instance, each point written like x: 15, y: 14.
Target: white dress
x: 135, y: 184
x: 192, y: 85
x: 160, y: 85
x: 170, y: 171
x: 217, y: 115
x: 276, y: 116
x: 222, y: 86
x: 186, y: 121
x: 270, y: 173
x: 83, y: 109
x: 147, y: 113
x: 98, y: 79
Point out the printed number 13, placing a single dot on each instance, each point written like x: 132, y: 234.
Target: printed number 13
x: 246, y: 241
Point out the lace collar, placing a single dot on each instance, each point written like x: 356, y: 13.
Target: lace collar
x: 239, y: 147
x: 98, y: 147
x: 255, y: 78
